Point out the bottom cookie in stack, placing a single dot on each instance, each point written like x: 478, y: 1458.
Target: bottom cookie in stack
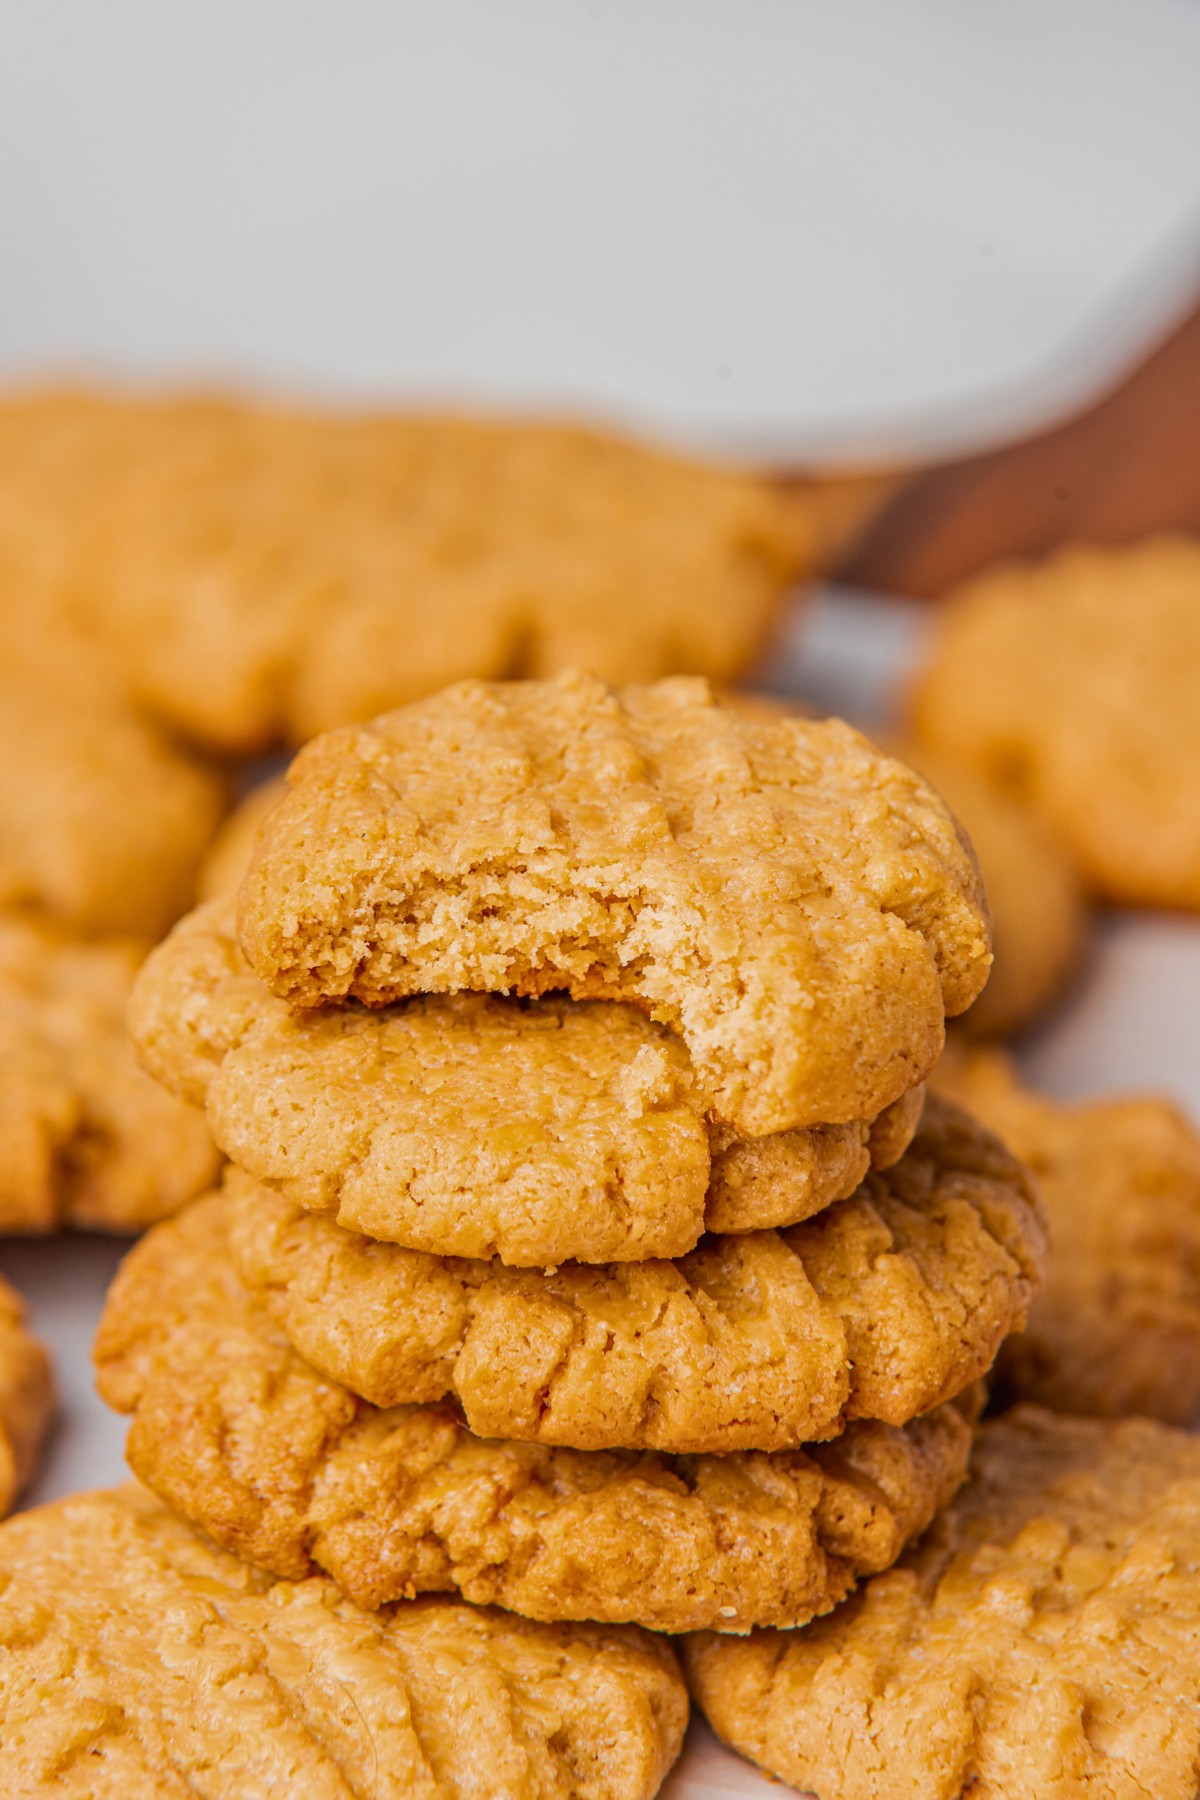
x: 666, y: 1476
x: 141, y: 1663
x: 1040, y: 1641
x: 237, y: 1432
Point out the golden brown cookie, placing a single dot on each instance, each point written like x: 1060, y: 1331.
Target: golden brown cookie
x: 26, y: 1397
x: 263, y: 574
x: 236, y: 1432
x: 102, y: 822
x: 141, y: 1663
x: 1116, y: 1328
x: 754, y: 1183
x: 882, y: 1307
x: 471, y: 1125
x: 1039, y: 920
x: 799, y: 908
x: 1072, y: 683
x: 88, y: 1139
x: 1039, y: 1641
x: 61, y: 450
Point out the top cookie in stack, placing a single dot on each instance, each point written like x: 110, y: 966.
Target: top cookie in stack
x: 570, y: 1048
x: 800, y: 909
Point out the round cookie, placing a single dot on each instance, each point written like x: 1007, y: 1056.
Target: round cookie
x: 141, y: 1662
x: 26, y: 1398
x: 289, y: 1469
x: 263, y: 573
x: 799, y: 908
x: 1116, y: 1328
x: 1039, y: 920
x: 1039, y: 1640
x: 883, y: 1307
x: 89, y: 1140
x: 102, y: 822
x: 1072, y: 682
x: 402, y: 1123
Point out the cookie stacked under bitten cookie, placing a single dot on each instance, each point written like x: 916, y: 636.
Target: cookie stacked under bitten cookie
x: 584, y: 1248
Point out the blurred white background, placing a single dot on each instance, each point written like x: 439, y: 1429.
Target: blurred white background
x: 789, y: 227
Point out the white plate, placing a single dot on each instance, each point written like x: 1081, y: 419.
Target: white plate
x: 789, y: 227
x: 1134, y: 1022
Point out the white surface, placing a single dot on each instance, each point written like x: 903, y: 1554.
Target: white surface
x: 1135, y: 1021
x: 785, y: 226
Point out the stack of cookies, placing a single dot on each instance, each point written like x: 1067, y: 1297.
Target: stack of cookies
x: 584, y: 1248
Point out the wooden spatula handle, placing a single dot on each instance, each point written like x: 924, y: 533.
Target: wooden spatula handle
x: 1128, y: 465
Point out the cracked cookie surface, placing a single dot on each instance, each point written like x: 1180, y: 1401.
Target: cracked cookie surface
x: 799, y: 908
x: 1073, y: 683
x: 1040, y: 1639
x: 89, y: 1139
x: 141, y: 1661
x: 1116, y: 1328
x: 883, y: 1307
x: 289, y: 1469
x: 471, y: 1125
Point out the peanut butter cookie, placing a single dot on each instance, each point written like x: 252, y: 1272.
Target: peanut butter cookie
x: 26, y: 1397
x: 1116, y: 1328
x: 142, y: 1662
x: 1073, y: 682
x: 471, y: 1125
x: 89, y: 1140
x: 1039, y: 918
x: 801, y: 909
x: 102, y: 822
x: 883, y: 1307
x: 1039, y: 1640
x: 288, y: 1468
x: 261, y: 574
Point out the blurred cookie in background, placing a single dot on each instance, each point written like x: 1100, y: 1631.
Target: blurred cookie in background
x: 1039, y: 915
x: 26, y: 1398
x: 89, y: 1140
x: 1073, y: 683
x: 103, y: 821
x: 263, y: 574
x: 61, y: 450
x: 1116, y: 1328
